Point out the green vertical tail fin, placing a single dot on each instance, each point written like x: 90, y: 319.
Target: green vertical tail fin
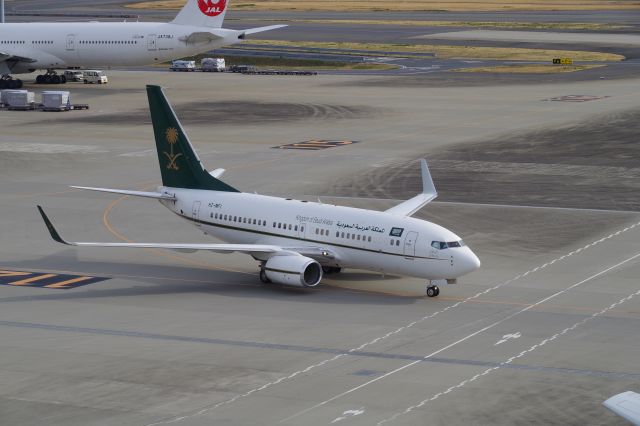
x: 179, y: 164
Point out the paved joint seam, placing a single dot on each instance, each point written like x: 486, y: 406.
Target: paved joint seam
x: 391, y: 333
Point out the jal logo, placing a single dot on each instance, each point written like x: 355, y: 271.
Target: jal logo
x: 210, y: 8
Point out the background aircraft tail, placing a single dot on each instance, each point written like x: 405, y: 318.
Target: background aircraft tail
x: 179, y: 164
x: 202, y: 13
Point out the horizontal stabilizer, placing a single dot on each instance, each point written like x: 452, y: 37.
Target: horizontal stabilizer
x: 262, y: 29
x: 156, y: 195
x: 217, y: 173
x: 626, y: 405
x: 428, y: 194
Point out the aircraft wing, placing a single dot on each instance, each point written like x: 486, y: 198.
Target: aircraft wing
x: 625, y: 404
x: 313, y: 252
x: 7, y: 60
x: 10, y: 57
x: 428, y: 194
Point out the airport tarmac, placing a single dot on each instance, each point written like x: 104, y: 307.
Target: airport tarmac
x: 544, y: 332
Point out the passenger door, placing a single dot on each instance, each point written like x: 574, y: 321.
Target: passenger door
x: 195, y: 212
x: 71, y: 42
x: 151, y: 42
x: 410, y: 245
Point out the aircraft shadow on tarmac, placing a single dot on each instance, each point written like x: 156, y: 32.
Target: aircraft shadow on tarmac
x: 170, y: 279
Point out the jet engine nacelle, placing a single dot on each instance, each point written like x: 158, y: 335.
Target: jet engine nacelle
x: 298, y: 271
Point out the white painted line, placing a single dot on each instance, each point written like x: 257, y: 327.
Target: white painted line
x: 464, y: 339
x: 511, y: 359
x: 378, y: 339
x: 347, y: 414
x: 508, y: 337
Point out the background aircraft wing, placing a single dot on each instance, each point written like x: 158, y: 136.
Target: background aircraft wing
x: 428, y: 194
x: 625, y: 404
x: 4, y: 57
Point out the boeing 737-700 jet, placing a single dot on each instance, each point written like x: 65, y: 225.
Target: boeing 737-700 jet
x: 294, y: 241
x: 26, y: 47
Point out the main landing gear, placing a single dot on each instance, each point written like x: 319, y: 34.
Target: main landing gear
x: 263, y: 275
x: 327, y: 270
x: 51, y: 77
x: 433, y: 290
x: 8, y: 82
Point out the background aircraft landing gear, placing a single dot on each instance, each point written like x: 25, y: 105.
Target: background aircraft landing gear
x: 433, y: 290
x: 51, y: 77
x: 8, y: 82
x: 263, y: 275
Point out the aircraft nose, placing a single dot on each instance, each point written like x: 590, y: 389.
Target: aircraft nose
x: 469, y: 262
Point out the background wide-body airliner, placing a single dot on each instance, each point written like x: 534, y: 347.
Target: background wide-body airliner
x: 26, y: 47
x: 294, y: 241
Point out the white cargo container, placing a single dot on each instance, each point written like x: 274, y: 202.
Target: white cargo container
x: 20, y: 99
x: 183, y: 66
x: 56, y: 100
x: 213, y: 64
x: 3, y: 95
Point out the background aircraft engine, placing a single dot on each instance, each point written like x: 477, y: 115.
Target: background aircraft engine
x: 298, y: 271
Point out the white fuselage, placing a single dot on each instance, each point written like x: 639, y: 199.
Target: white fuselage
x: 104, y: 44
x: 359, y: 238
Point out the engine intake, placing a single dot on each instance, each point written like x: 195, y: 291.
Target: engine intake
x: 297, y: 271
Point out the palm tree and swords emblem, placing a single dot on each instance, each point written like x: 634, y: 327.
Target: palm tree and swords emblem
x: 172, y: 136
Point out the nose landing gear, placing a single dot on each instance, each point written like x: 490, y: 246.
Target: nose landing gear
x: 433, y: 290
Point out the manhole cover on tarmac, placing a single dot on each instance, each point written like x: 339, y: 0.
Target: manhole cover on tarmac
x: 315, y: 145
x: 576, y: 98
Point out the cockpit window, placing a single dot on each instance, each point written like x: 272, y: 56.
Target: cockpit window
x: 441, y: 245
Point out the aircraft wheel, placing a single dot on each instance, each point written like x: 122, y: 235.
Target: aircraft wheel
x: 20, y: 83
x: 433, y: 291
x: 63, y: 79
x: 263, y: 276
x: 12, y: 84
x: 47, y: 79
x: 56, y: 79
x: 40, y: 79
x: 3, y: 84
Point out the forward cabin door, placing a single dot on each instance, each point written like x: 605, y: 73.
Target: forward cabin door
x: 195, y: 213
x: 410, y: 245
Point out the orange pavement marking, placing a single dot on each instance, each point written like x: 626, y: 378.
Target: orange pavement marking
x: 63, y: 284
x: 32, y: 279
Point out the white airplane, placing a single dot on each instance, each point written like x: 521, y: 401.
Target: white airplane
x: 294, y: 241
x: 26, y: 47
x: 627, y: 405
